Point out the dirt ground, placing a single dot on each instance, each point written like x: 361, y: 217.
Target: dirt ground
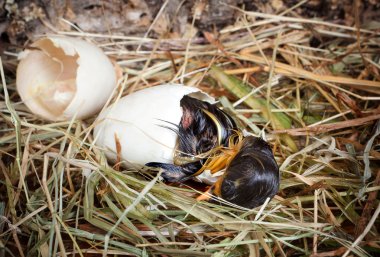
x: 21, y: 21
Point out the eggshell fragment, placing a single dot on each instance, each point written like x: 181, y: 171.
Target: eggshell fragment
x: 61, y: 77
x: 141, y: 122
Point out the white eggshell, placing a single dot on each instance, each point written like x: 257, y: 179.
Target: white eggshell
x: 64, y: 77
x: 139, y: 119
x: 208, y: 178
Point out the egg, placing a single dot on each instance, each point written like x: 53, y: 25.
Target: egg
x: 144, y: 123
x: 59, y: 78
x: 182, y: 132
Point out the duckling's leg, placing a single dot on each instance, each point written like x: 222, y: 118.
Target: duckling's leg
x: 171, y: 173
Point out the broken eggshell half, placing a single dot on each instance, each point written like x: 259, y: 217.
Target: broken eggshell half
x: 59, y: 78
x: 144, y: 123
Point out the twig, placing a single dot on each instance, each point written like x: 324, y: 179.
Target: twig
x: 366, y: 230
x: 328, y: 127
x: 367, y: 208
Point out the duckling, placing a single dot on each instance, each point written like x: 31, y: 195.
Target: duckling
x: 208, y: 139
x: 203, y: 127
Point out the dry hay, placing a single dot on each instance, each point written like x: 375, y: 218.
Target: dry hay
x: 317, y: 106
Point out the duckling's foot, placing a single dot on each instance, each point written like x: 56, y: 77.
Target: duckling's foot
x: 171, y: 173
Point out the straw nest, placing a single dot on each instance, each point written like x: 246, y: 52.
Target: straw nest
x: 317, y: 107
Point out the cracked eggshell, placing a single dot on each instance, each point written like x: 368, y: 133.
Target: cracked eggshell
x: 60, y: 77
x: 140, y: 122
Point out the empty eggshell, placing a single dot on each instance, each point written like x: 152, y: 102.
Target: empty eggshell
x: 140, y: 122
x: 59, y: 78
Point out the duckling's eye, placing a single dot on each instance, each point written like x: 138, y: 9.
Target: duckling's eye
x: 204, y: 145
x: 228, y: 189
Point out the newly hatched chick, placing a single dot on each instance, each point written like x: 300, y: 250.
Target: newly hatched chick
x: 208, y: 139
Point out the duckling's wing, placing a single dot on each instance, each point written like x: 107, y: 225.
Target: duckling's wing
x: 171, y: 172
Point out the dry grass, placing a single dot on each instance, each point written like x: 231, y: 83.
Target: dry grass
x: 318, y: 107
